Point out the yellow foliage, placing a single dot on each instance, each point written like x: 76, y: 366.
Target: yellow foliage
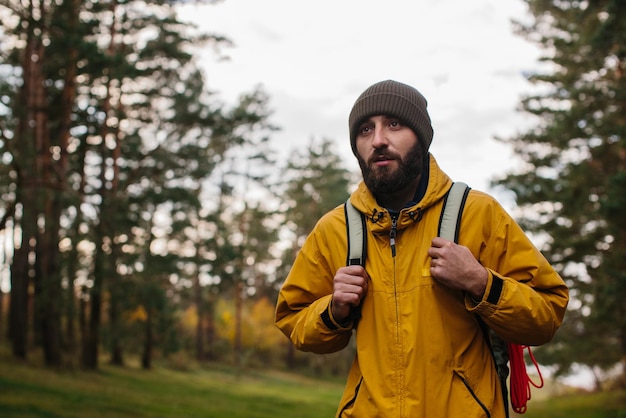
x: 190, y: 319
x: 257, y: 328
x: 138, y: 315
x: 264, y: 332
x: 225, y: 314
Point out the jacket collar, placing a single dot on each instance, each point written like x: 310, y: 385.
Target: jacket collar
x: 379, y: 217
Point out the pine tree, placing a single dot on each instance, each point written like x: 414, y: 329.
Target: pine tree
x: 571, y: 186
x: 107, y: 127
x: 315, y: 181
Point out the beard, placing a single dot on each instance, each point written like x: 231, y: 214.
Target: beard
x: 386, y: 180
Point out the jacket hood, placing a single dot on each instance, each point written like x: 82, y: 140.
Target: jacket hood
x: 379, y: 218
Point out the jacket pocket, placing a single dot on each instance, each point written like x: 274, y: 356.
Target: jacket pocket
x: 349, y: 404
x: 472, y: 393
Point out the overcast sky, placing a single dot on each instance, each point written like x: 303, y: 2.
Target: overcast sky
x: 314, y: 58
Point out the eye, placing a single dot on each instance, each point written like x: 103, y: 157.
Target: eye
x: 365, y: 129
x: 395, y: 123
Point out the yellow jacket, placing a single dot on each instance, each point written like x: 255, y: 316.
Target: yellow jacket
x: 420, y: 351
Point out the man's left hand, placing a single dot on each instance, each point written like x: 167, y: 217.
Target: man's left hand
x: 454, y: 266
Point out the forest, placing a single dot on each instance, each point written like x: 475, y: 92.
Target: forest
x: 140, y: 216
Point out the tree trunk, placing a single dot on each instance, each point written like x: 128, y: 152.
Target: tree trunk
x: 210, y: 329
x: 1, y: 314
x: 72, y: 267
x: 29, y: 134
x: 117, y: 353
x: 82, y: 324
x: 18, y: 303
x: 146, y: 357
x: 238, y: 322
x: 4, y: 256
x: 70, y: 9
x: 200, y: 353
x: 49, y: 298
x: 69, y: 340
x: 92, y: 331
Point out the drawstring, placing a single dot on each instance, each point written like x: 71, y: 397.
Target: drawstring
x: 416, y: 216
x: 376, y: 216
x: 520, y: 381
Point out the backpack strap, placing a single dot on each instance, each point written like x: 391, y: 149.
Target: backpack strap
x: 357, y: 247
x: 449, y: 226
x: 450, y: 218
x: 357, y: 238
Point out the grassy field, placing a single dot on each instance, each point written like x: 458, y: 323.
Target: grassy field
x: 29, y: 391
x: 597, y: 405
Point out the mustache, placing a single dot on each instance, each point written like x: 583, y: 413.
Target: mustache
x: 385, y: 154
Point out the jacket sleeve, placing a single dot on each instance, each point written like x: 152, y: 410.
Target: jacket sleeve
x: 303, y: 308
x: 525, y: 299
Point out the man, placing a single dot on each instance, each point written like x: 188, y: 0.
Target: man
x: 420, y: 351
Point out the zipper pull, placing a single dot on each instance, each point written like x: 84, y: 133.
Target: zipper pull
x: 392, y: 234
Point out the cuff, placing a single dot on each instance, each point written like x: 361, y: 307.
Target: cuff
x: 492, y: 294
x: 331, y: 323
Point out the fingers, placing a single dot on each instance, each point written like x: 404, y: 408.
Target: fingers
x: 439, y: 242
x: 349, y: 294
x: 443, y: 255
x: 456, y: 267
x: 350, y: 287
x: 438, y: 246
x: 352, y: 275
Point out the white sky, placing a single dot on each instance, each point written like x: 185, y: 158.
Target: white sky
x: 315, y: 57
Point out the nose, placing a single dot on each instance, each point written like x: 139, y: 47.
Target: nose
x: 380, y: 138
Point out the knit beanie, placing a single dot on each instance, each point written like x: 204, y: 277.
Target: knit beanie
x: 394, y: 99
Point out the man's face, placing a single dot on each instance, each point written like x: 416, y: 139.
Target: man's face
x: 389, y: 153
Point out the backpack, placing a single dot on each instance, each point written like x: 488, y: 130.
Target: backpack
x: 502, y: 351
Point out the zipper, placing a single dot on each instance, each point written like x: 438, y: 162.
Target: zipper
x: 392, y: 234
x: 353, y: 400
x: 471, y: 391
x: 399, y: 357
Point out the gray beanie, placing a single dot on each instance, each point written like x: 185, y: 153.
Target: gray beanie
x: 391, y: 98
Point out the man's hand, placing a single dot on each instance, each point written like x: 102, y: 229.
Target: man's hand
x: 454, y: 266
x: 350, y: 287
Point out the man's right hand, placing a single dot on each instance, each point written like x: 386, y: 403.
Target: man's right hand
x: 349, y: 289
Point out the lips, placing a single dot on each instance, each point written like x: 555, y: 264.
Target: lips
x: 382, y: 160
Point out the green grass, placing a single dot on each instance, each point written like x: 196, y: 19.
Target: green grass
x: 593, y: 405
x: 28, y: 391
